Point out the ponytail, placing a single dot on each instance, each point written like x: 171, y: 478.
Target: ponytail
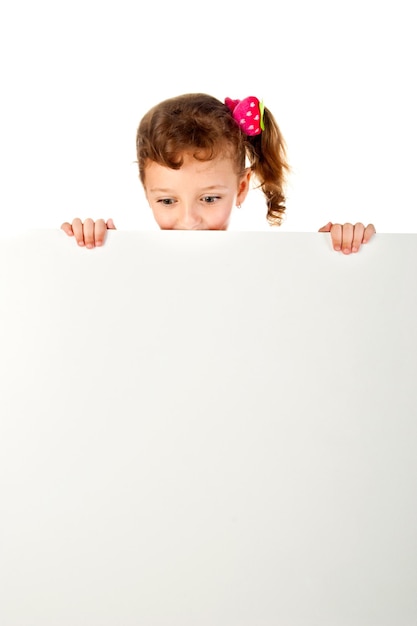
x: 268, y: 161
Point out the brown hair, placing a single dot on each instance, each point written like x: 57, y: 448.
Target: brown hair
x: 204, y: 125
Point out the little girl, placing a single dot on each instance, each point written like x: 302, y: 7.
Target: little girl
x: 196, y: 157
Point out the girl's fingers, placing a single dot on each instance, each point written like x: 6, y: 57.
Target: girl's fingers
x: 89, y: 233
x: 337, y: 236
x: 326, y: 228
x: 369, y: 232
x: 347, y: 238
x: 78, y: 230
x: 67, y: 228
x: 89, y: 229
x: 357, y: 240
x: 99, y: 232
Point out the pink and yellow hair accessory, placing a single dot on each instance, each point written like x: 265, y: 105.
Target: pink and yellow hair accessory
x: 248, y: 113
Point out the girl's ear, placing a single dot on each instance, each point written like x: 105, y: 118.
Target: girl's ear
x: 244, y: 186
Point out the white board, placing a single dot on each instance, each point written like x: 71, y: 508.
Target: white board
x: 208, y: 429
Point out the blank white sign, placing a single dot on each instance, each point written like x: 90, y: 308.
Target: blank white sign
x: 208, y: 429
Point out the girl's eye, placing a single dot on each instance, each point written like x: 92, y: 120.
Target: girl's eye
x: 166, y: 201
x: 210, y: 199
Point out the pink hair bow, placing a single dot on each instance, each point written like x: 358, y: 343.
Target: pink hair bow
x: 248, y: 113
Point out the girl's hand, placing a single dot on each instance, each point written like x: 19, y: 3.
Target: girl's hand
x: 348, y: 238
x: 89, y: 233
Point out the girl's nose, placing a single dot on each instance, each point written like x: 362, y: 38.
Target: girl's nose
x: 189, y: 219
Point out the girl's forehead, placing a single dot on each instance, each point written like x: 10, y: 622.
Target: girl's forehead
x: 192, y: 176
x: 198, y: 167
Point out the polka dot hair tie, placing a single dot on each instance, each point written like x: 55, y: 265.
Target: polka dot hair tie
x: 248, y: 113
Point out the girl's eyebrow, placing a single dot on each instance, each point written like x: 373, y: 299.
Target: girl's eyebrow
x: 209, y: 188
x: 160, y: 190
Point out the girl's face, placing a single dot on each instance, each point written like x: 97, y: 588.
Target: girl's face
x: 198, y: 196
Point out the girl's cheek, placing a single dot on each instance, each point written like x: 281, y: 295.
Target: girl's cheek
x: 163, y: 221
x: 222, y: 220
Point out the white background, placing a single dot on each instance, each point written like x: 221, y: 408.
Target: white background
x: 76, y: 78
